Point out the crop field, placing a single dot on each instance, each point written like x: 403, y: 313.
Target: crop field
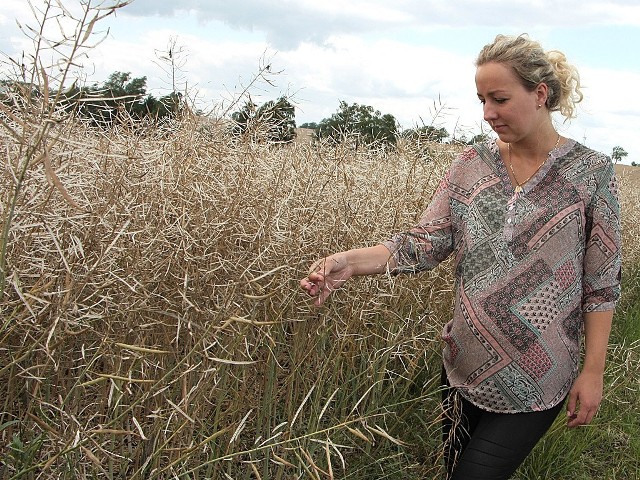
x: 152, y: 325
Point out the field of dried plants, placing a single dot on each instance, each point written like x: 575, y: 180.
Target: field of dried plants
x: 151, y: 324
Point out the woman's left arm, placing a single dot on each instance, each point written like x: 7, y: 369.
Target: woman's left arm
x: 586, y: 394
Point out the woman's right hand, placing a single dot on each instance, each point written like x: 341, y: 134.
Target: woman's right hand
x: 325, y: 276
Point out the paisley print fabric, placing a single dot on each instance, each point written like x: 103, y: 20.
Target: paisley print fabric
x: 528, y: 266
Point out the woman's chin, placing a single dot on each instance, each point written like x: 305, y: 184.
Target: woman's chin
x: 503, y: 135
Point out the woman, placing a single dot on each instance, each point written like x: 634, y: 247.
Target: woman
x: 533, y: 221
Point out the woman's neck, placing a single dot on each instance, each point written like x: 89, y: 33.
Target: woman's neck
x: 535, y: 148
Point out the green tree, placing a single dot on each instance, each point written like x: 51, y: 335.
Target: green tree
x: 166, y: 107
x: 243, y: 117
x: 362, y: 121
x: 273, y: 121
x: 427, y: 133
x: 121, y: 94
x: 618, y: 154
x: 280, y: 119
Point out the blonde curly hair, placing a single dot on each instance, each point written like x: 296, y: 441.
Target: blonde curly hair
x: 534, y: 66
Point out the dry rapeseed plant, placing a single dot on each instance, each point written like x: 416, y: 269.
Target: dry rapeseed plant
x: 153, y: 324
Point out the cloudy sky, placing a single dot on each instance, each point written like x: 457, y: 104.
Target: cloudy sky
x: 410, y: 58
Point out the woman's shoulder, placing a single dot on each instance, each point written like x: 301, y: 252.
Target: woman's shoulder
x: 587, y: 154
x: 580, y: 160
x: 473, y: 164
x: 486, y: 152
x: 587, y: 169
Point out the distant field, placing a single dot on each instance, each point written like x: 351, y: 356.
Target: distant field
x: 628, y: 173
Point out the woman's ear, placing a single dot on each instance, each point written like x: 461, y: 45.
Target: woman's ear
x: 542, y: 93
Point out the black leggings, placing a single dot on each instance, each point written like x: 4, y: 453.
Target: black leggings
x: 481, y: 445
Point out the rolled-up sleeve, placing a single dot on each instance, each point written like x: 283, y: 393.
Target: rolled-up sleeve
x: 430, y: 241
x: 603, y: 249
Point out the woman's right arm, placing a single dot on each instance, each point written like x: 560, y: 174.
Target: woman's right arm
x: 330, y: 273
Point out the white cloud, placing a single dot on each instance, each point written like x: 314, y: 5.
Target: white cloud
x: 406, y: 58
x: 610, y: 112
x: 286, y: 23
x: 391, y: 76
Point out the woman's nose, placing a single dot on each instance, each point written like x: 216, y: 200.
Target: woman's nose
x: 489, y: 112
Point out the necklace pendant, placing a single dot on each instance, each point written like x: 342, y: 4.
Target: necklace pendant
x: 518, y: 189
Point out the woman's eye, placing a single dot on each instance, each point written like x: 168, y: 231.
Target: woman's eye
x: 496, y: 100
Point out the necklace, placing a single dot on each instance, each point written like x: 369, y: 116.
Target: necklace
x: 519, y: 184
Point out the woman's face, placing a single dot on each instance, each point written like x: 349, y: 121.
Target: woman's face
x: 510, y: 109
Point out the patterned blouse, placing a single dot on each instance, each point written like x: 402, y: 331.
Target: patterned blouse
x: 528, y: 265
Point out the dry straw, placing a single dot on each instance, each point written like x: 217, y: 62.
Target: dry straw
x: 155, y: 320
x: 152, y: 325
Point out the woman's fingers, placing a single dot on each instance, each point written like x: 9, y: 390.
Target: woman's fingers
x: 325, y: 276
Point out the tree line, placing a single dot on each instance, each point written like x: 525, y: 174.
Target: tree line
x: 123, y: 97
x: 121, y: 94
x: 275, y: 121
